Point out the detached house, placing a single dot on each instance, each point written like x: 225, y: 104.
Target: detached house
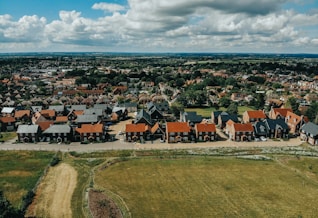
x: 28, y: 133
x: 309, y: 133
x: 178, y: 132
x: 23, y: 116
x: 7, y: 123
x: 279, y: 113
x: 294, y: 122
x: 205, y: 132
x: 241, y: 132
x: 157, y: 132
x: 91, y: 132
x: 277, y: 128
x: 136, y: 132
x: 253, y: 116
x: 58, y: 133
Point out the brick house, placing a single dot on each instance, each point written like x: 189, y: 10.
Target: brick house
x: 58, y: 133
x: 91, y: 132
x: 279, y: 113
x: 294, y: 122
x: 253, y: 116
x: 23, y: 116
x: 309, y: 133
x: 241, y: 132
x: 205, y: 132
x: 136, y: 132
x: 157, y: 132
x: 178, y: 132
x: 7, y: 123
x: 28, y: 133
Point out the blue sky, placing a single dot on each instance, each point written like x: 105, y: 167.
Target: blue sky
x: 260, y: 26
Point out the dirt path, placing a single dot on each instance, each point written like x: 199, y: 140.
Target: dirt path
x: 55, y: 192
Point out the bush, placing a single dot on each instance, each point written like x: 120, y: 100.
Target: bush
x: 27, y: 200
x: 55, y: 161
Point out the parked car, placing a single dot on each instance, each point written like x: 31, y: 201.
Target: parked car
x: 263, y: 138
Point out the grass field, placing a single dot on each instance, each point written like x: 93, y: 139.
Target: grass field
x: 206, y: 112
x: 5, y: 136
x: 215, y: 187
x: 19, y: 172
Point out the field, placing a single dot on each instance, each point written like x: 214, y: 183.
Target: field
x: 206, y: 112
x: 215, y: 187
x: 19, y: 172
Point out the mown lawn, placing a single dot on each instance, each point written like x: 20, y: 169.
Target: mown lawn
x: 5, y: 136
x: 213, y: 187
x: 206, y: 112
x: 19, y: 172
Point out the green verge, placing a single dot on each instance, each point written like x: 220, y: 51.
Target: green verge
x: 214, y: 187
x: 206, y: 112
x: 20, y: 171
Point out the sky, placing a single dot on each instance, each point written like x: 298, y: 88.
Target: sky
x: 238, y: 26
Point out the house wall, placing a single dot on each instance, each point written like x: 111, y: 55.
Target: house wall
x: 28, y: 137
x: 178, y: 137
x: 58, y: 137
x: 91, y: 136
x: 134, y: 136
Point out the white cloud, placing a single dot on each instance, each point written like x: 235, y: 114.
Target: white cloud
x: 108, y: 7
x: 165, y: 25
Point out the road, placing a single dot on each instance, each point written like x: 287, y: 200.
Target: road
x: 120, y: 144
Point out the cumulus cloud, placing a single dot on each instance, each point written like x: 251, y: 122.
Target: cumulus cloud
x: 108, y: 7
x: 178, y: 25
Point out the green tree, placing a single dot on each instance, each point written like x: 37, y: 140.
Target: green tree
x: 232, y: 108
x: 224, y: 102
x: 293, y: 104
x: 6, y: 209
x: 176, y: 108
x: 312, y: 112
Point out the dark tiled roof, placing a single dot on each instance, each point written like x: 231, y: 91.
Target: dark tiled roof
x: 310, y: 128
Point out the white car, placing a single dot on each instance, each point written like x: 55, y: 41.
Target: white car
x: 263, y: 138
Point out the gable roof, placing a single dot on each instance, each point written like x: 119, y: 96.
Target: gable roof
x: 7, y: 110
x: 155, y: 128
x: 260, y: 127
x: 87, y: 119
x: 205, y: 127
x: 21, y: 113
x: 93, y: 111
x: 7, y: 119
x: 293, y: 118
x: 227, y: 117
x: 57, y: 108
x: 27, y: 128
x: 243, y: 127
x: 80, y: 107
x: 259, y: 114
x: 139, y: 127
x: 192, y: 116
x: 45, y: 124
x: 90, y: 128
x: 58, y: 129
x: 36, y: 108
x: 49, y: 112
x: 61, y: 119
x: 276, y: 123
x: 310, y: 128
x: 178, y: 127
x: 282, y: 111
x: 143, y: 115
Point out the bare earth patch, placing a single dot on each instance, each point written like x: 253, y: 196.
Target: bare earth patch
x: 101, y: 206
x: 53, y: 197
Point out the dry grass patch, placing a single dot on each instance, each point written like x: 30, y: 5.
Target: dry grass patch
x: 19, y: 172
x: 210, y: 187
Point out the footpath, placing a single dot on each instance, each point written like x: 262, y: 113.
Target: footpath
x: 122, y: 145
